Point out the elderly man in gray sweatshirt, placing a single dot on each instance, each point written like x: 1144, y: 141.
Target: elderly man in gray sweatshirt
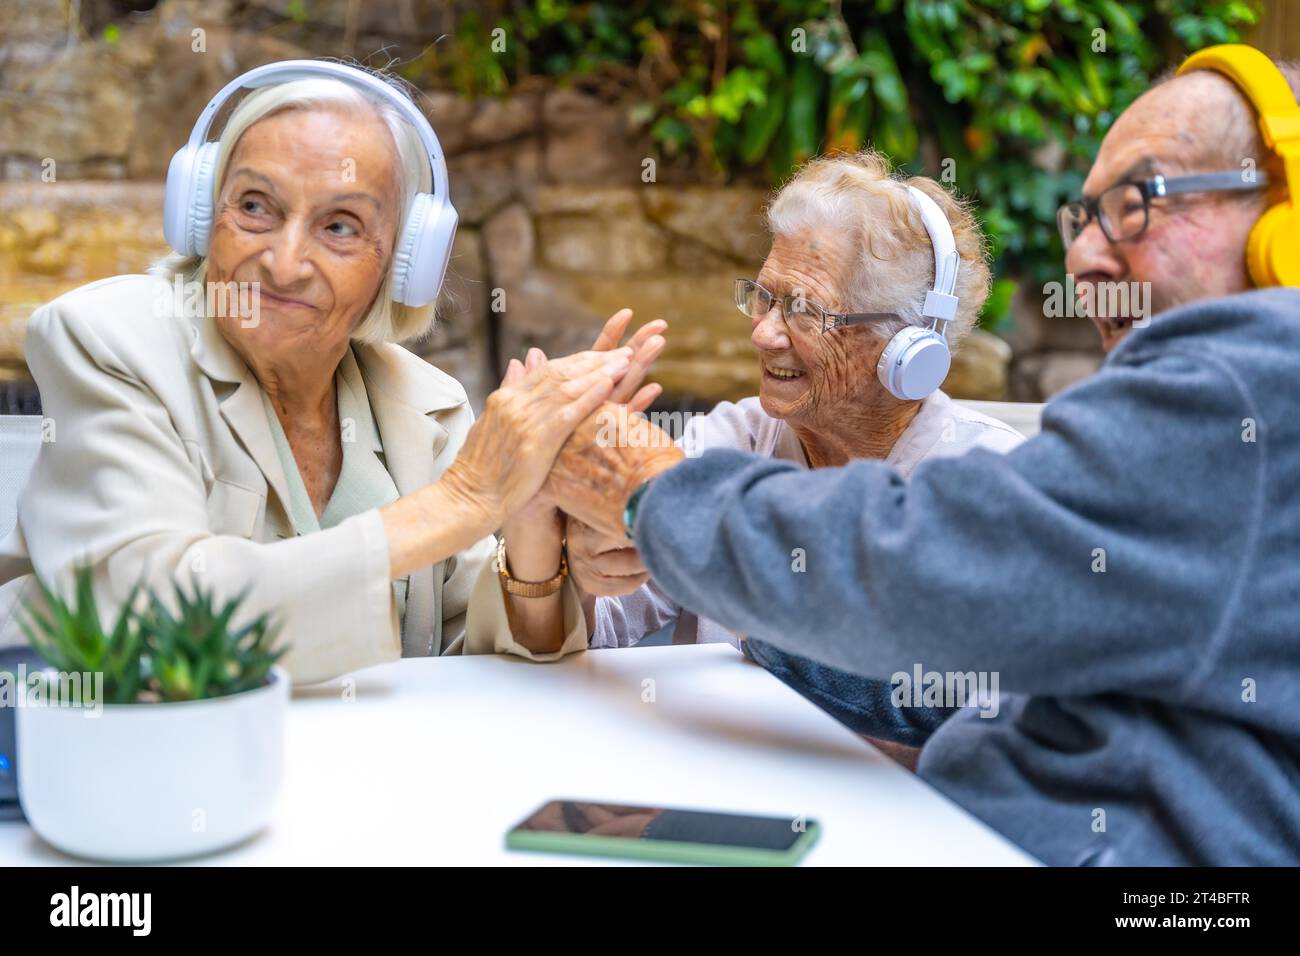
x: 1131, y: 575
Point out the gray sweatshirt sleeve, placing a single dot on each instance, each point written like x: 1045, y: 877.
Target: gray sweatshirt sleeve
x: 1105, y: 554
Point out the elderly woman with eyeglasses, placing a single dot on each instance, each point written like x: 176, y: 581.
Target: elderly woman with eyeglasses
x: 295, y: 455
x: 849, y: 267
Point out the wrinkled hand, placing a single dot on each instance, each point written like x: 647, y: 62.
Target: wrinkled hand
x: 510, y: 450
x: 602, y: 463
x: 603, y: 565
x: 646, y: 345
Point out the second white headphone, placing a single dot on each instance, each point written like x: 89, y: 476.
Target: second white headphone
x: 916, y: 360
x: 422, y: 251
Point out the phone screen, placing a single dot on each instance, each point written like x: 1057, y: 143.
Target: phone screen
x: 662, y: 833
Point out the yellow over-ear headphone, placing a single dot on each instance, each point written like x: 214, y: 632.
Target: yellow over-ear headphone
x: 1273, y: 249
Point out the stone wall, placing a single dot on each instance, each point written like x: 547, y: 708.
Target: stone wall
x: 542, y: 265
x: 57, y: 236
x: 558, y: 226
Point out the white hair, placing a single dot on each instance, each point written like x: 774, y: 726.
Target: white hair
x: 386, y: 320
x: 857, y: 195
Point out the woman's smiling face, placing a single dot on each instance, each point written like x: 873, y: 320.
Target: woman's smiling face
x: 810, y: 377
x: 308, y: 209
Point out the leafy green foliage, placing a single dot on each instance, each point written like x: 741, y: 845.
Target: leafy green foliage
x: 1014, y: 94
x: 154, y: 654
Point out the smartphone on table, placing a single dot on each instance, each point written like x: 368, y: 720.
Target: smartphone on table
x: 664, y: 834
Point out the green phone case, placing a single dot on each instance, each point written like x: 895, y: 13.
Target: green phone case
x: 662, y: 851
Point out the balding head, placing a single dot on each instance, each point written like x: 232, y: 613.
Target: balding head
x: 1195, y: 245
x: 1226, y: 133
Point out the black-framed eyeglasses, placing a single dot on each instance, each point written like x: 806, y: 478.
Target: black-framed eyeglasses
x: 1124, y: 209
x: 799, y: 312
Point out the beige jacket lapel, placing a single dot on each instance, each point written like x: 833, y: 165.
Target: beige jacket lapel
x: 242, y: 408
x: 405, y: 396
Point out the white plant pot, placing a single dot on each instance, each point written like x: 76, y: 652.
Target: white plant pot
x: 146, y: 782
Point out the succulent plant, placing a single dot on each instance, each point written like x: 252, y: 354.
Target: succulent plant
x: 194, y: 654
x: 70, y: 636
x: 153, y: 654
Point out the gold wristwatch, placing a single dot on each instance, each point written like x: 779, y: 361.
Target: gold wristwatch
x: 530, y: 589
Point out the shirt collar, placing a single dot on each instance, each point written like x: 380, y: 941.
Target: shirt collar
x: 354, y: 404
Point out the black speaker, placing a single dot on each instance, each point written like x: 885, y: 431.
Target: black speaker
x: 11, y: 659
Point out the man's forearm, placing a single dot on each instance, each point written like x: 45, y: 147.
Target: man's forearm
x: 972, y: 565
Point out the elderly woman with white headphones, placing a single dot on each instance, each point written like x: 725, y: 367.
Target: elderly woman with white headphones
x: 870, y: 281
x: 272, y: 440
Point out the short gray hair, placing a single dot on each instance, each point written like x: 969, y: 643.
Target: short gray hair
x: 386, y: 320
x: 858, y: 195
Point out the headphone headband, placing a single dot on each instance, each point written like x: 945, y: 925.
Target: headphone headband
x: 916, y: 360
x: 940, y: 301
x: 1263, y: 84
x: 1273, y: 246
x: 423, y: 245
x: 289, y: 70
x: 1260, y: 81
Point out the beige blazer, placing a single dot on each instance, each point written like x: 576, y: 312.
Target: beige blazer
x: 160, y: 462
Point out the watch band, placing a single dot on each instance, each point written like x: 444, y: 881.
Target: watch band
x: 530, y: 589
x: 630, y: 509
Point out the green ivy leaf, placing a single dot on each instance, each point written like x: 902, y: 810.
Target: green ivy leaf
x: 803, y: 119
x: 761, y: 123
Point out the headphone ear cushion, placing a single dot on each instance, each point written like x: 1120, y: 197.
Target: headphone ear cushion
x: 404, y: 250
x: 201, y: 199
x: 914, y: 363
x: 423, y: 250
x: 1273, y: 248
x: 176, y: 201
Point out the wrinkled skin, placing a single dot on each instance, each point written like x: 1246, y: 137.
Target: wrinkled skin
x: 319, y: 245
x: 837, y: 402
x: 591, y: 479
x: 529, y: 417
x: 320, y: 248
x: 837, y: 406
x: 535, y: 532
x: 1194, y: 245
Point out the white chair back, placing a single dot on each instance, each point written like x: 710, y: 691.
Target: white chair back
x: 1024, y: 417
x: 20, y: 441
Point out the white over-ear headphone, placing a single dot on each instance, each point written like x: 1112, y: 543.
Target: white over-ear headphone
x: 423, y: 249
x: 917, y: 359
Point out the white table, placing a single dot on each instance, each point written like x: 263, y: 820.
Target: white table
x: 434, y: 759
